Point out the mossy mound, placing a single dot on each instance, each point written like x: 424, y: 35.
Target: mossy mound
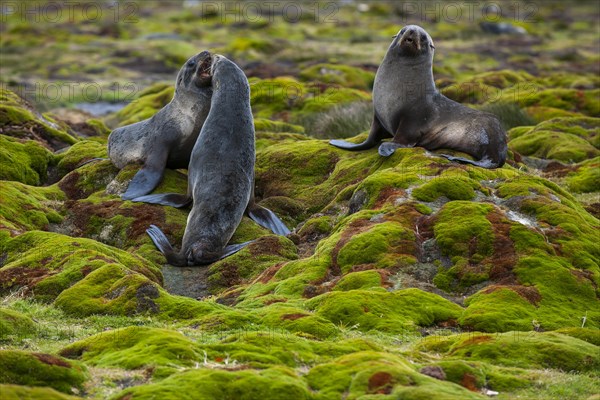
x: 13, y: 325
x: 39, y: 369
x: 146, y: 104
x: 24, y: 161
x: 382, y: 311
x: 376, y: 374
x: 19, y: 120
x: 586, y: 178
x: 292, y: 100
x: 563, y: 139
x: 519, y: 349
x: 80, y: 153
x: 343, y: 75
x: 46, y: 264
x: 26, y: 207
x: 272, y: 383
x: 16, y: 392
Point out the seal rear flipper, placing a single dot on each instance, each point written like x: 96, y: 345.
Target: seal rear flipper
x: 165, y: 199
x: 162, y: 243
x: 483, y: 163
x: 267, y: 219
x: 376, y: 135
x: 233, y: 248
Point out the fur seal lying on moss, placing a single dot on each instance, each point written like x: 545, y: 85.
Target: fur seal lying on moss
x: 220, y: 176
x: 408, y: 107
x: 166, y: 139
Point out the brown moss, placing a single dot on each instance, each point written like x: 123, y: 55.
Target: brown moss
x: 268, y: 273
x: 529, y: 293
x: 22, y: 277
x: 469, y: 381
x: 504, y: 256
x: 51, y: 360
x: 381, y: 383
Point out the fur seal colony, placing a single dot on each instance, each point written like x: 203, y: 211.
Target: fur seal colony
x: 408, y: 107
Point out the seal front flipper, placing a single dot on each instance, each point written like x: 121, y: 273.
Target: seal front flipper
x: 376, y: 135
x: 165, y: 199
x: 147, y: 178
x: 388, y: 148
x: 267, y: 219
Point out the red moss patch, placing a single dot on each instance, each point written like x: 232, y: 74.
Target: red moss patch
x: 51, y: 360
x: 529, y: 293
x: 381, y: 383
x: 470, y: 382
x: 22, y: 277
x: 268, y: 273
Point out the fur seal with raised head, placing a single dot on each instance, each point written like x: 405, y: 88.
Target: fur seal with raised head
x: 220, y: 175
x: 167, y: 138
x: 408, y: 107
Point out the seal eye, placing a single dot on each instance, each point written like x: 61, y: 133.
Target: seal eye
x: 191, y: 63
x: 402, y: 31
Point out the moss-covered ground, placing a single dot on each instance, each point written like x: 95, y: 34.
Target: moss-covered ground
x: 408, y: 277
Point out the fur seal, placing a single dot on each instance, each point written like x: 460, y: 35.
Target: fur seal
x: 166, y: 139
x: 220, y: 174
x: 408, y: 107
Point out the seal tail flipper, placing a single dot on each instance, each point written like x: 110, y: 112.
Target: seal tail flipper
x: 267, y: 219
x: 165, y: 199
x: 162, y: 243
x: 376, y: 135
x: 233, y: 248
x: 484, y: 162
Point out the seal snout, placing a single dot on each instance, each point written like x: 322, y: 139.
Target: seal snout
x: 203, y: 70
x: 413, y: 40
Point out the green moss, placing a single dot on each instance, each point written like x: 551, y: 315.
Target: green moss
x: 586, y: 178
x: 483, y: 312
x: 343, y: 75
x: 14, y: 325
x: 519, y: 349
x: 266, y: 125
x: 271, y: 383
x: 247, y: 264
x: 148, y: 102
x: 374, y: 246
x: 366, y: 374
x: 584, y: 101
x: 26, y: 207
x: 79, y: 153
x: 15, y: 392
x: 586, y: 334
x: 454, y: 188
x: 370, y: 310
x: 19, y: 120
x: 457, y: 239
x: 135, y: 347
x: 25, y: 162
x: 49, y: 263
x: 38, y: 369
x: 359, y: 280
